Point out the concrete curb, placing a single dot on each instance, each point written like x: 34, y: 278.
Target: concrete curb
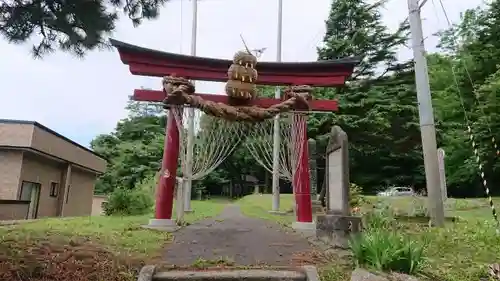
x: 311, y: 272
x: 147, y: 272
x: 303, y: 273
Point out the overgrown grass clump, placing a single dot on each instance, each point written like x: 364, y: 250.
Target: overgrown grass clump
x: 383, y: 247
x: 460, y: 251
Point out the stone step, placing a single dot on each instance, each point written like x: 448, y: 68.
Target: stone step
x: 304, y: 273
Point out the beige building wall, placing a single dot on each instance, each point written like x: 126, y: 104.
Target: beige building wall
x: 18, y: 135
x: 13, y: 210
x: 48, y: 143
x: 97, y: 202
x: 78, y: 200
x: 80, y: 194
x: 32, y: 153
x: 41, y: 170
x: 29, y: 135
x: 10, y: 172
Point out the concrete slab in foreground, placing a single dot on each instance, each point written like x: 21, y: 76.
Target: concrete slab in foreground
x: 304, y: 273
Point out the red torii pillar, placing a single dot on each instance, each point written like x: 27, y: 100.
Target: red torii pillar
x: 147, y: 62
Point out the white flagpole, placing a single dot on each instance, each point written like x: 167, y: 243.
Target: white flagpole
x: 190, y: 133
x: 276, y: 136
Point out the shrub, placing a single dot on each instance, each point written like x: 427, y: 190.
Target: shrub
x: 387, y: 251
x: 418, y: 207
x: 148, y: 185
x: 128, y: 202
x: 382, y: 248
x: 380, y: 217
x: 355, y: 198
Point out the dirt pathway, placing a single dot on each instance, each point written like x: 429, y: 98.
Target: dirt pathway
x: 244, y: 240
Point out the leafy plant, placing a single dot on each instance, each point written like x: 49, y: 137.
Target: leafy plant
x: 418, y: 207
x: 355, y: 197
x: 387, y: 251
x: 148, y: 185
x: 379, y: 217
x: 128, y: 202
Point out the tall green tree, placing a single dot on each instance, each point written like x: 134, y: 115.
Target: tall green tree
x: 378, y: 106
x: 134, y: 149
x: 464, y: 82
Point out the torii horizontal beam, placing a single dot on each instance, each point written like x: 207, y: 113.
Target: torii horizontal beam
x: 159, y: 96
x: 149, y: 62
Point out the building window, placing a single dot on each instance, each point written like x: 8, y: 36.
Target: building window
x: 54, y: 189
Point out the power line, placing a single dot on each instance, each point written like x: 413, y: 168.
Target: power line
x: 475, y: 146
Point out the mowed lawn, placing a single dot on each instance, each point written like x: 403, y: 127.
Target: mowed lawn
x: 259, y: 205
x: 86, y: 248
x: 458, y: 252
x: 120, y: 234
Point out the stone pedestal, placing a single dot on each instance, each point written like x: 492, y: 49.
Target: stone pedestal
x: 166, y: 225
x: 306, y: 228
x: 281, y: 213
x: 336, y: 229
x: 316, y: 207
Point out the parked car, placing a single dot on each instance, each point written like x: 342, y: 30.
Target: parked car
x: 397, y: 191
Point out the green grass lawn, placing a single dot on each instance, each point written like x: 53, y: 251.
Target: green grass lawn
x: 259, y: 205
x: 458, y: 252
x: 120, y: 234
x: 86, y: 248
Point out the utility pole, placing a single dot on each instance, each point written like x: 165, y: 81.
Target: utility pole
x: 190, y: 132
x: 276, y: 136
x: 426, y: 114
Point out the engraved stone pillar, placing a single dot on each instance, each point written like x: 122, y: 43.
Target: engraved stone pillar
x: 336, y: 226
x: 337, y: 173
x: 313, y: 168
x: 442, y: 173
x: 316, y: 204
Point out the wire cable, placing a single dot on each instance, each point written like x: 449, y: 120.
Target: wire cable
x: 469, y: 77
x: 475, y: 146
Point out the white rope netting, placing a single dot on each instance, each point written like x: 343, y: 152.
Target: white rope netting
x: 291, y: 130
x: 214, y: 140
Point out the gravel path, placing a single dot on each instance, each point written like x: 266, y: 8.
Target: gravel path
x: 244, y: 240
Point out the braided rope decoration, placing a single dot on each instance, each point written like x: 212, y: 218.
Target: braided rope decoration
x: 483, y: 178
x: 242, y: 76
x: 241, y: 86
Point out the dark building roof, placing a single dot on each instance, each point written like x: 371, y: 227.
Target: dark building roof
x: 36, y: 124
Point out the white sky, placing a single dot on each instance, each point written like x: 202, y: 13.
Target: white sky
x: 83, y: 98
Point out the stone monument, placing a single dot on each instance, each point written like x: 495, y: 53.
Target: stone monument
x: 312, y: 168
x: 442, y: 173
x: 313, y: 172
x: 336, y: 226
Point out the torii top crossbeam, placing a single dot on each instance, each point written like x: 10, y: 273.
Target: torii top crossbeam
x: 149, y: 62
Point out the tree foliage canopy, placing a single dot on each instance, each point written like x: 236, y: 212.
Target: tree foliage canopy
x: 74, y: 26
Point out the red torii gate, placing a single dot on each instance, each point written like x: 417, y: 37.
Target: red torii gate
x: 149, y: 62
